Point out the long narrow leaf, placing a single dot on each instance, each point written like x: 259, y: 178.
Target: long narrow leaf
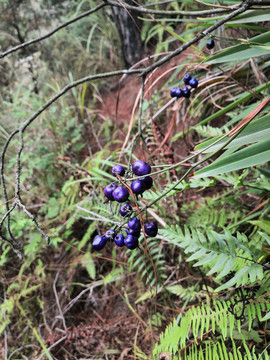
x: 253, y: 155
x: 256, y: 131
x: 243, y: 51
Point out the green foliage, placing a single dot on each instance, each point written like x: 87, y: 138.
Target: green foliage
x: 159, y: 31
x: 215, y: 350
x: 220, y: 252
x: 189, y: 293
x: 142, y: 262
x: 213, y: 318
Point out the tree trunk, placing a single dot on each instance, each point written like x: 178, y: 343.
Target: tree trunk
x: 128, y: 26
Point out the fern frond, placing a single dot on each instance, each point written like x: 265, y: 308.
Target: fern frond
x: 198, y: 322
x: 218, y: 350
x: 211, y: 213
x: 208, y: 131
x: 113, y: 275
x: 142, y: 264
x: 148, y: 294
x: 98, y: 212
x: 222, y: 253
x: 169, y: 340
x: 189, y: 293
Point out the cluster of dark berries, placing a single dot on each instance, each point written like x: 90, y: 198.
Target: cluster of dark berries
x: 118, y: 193
x: 210, y: 44
x: 185, y: 92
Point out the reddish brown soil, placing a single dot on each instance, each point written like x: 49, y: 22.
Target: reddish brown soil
x: 121, y: 101
x: 118, y: 102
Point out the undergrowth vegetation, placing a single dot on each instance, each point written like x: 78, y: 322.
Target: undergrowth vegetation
x: 200, y: 288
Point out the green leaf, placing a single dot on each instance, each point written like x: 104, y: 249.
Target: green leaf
x: 147, y: 295
x: 250, y: 156
x: 255, y: 131
x: 263, y: 224
x: 266, y: 317
x: 53, y: 206
x: 88, y: 263
x: 265, y: 172
x: 113, y: 275
x: 244, y: 51
x: 262, y: 47
x: 251, y: 16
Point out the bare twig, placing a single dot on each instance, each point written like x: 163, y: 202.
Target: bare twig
x: 21, y: 348
x: 89, y: 288
x: 52, y: 346
x: 5, y: 331
x: 143, y: 10
x: 46, y: 36
x: 57, y: 301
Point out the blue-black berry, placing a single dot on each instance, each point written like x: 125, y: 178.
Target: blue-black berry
x: 151, y: 228
x: 138, y: 186
x: 108, y: 190
x: 210, y: 44
x: 120, y: 194
x: 135, y: 232
x: 99, y: 242
x: 141, y: 168
x: 186, y: 92
x: 193, y: 83
x: 118, y: 169
x: 119, y: 240
x: 187, y: 78
x: 131, y: 242
x: 109, y: 234
x: 125, y: 209
x: 173, y: 92
x: 178, y: 93
x: 134, y: 223
x: 148, y: 182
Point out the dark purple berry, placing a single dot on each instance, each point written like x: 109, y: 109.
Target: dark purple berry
x: 108, y: 190
x: 148, y: 181
x: 173, y: 92
x: 125, y: 209
x: 186, y: 92
x: 131, y: 242
x: 193, y: 83
x: 134, y: 223
x: 118, y: 169
x: 120, y: 194
x: 186, y: 79
x: 109, y: 234
x: 138, y: 186
x: 151, y: 228
x: 141, y: 168
x: 99, y: 242
x: 210, y: 44
x: 178, y: 93
x: 119, y: 240
x: 135, y: 233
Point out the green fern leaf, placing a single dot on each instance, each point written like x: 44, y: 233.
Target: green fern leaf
x: 221, y: 252
x: 208, y: 131
x: 142, y: 264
